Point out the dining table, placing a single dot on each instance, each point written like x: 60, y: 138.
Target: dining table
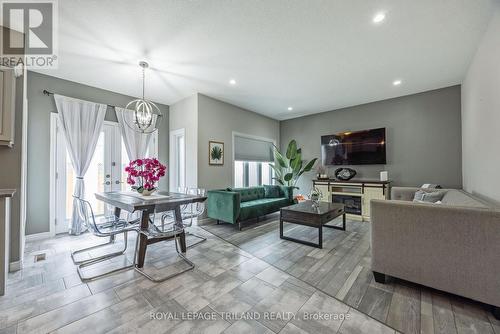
x: 160, y: 201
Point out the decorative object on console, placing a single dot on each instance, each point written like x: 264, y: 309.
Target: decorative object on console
x: 290, y: 167
x: 321, y: 173
x: 145, y: 173
x: 146, y: 114
x: 384, y: 175
x: 215, y: 153
x: 299, y: 198
x: 345, y: 174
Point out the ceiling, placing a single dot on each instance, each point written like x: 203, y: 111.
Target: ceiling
x: 312, y: 55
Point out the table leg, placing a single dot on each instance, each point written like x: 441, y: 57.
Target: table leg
x: 182, y: 236
x: 281, y: 228
x: 117, y: 212
x: 143, y: 240
x: 320, y: 241
x: 343, y: 221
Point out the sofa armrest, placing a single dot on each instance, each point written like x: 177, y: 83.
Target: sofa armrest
x: 288, y: 191
x: 403, y: 193
x: 223, y: 205
x: 450, y: 248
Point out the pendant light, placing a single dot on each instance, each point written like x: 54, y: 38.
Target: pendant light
x: 146, y: 116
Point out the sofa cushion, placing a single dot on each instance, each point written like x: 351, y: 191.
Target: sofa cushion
x: 261, y: 207
x: 250, y: 194
x: 271, y: 191
x: 461, y: 198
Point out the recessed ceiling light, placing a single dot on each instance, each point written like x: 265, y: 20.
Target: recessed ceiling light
x: 290, y: 108
x: 379, y: 17
x: 397, y: 82
x: 232, y: 82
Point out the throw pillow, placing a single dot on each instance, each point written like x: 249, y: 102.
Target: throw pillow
x: 271, y: 191
x: 428, y: 196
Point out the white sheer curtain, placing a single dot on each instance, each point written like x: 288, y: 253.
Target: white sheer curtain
x: 81, y: 122
x: 136, y: 143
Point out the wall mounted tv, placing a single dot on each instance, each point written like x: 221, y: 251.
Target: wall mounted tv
x: 354, y: 148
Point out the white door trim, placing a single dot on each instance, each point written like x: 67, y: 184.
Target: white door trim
x: 172, y: 157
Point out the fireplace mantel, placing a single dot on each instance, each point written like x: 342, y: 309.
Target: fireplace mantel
x: 361, y: 191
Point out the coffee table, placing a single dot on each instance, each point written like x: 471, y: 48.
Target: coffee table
x: 306, y: 214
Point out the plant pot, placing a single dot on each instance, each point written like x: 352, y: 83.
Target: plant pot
x: 146, y: 192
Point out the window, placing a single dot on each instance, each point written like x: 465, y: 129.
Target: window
x: 252, y: 156
x: 252, y: 173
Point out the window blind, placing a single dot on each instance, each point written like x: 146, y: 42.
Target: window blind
x: 250, y: 149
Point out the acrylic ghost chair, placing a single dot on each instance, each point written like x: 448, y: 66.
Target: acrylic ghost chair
x: 189, y: 212
x: 109, y: 226
x: 165, y: 230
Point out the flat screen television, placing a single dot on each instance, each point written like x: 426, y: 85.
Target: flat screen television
x: 354, y: 148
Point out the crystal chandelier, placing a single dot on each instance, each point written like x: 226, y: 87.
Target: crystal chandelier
x: 146, y: 116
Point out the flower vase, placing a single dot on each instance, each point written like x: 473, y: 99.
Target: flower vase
x: 146, y: 192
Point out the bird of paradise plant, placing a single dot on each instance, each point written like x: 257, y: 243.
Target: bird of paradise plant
x: 289, y: 167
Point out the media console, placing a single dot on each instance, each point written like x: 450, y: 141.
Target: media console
x: 354, y: 194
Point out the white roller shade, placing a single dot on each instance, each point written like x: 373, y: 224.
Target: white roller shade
x: 250, y: 149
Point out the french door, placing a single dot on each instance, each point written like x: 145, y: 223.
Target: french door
x: 105, y: 173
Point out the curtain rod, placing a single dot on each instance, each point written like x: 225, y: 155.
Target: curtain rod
x: 46, y: 92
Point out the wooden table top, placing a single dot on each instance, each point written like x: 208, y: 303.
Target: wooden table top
x: 158, y: 201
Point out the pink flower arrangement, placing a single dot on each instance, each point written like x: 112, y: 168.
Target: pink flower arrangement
x: 145, y: 173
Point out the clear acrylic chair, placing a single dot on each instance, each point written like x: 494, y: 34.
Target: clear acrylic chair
x: 164, y: 230
x: 188, y: 213
x: 103, y: 222
x: 106, y: 227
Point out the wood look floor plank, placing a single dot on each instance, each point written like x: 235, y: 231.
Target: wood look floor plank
x: 444, y: 319
x: 404, y: 312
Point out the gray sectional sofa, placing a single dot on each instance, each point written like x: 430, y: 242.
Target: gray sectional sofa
x: 453, y: 246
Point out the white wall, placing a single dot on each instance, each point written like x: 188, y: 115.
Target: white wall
x: 217, y: 121
x: 184, y: 115
x: 481, y: 116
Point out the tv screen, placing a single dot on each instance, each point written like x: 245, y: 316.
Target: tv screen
x: 354, y: 148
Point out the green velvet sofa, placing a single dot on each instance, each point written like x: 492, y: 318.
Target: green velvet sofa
x: 241, y: 204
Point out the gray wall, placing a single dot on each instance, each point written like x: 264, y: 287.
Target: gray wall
x: 216, y: 121
x: 10, y: 172
x: 184, y: 115
x: 39, y: 109
x: 423, y: 137
x: 481, y: 116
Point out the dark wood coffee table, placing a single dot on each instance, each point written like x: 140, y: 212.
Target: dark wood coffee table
x: 306, y: 214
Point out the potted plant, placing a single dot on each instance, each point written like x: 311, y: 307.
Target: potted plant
x: 143, y: 175
x: 289, y: 167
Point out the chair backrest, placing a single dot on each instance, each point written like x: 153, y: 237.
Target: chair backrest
x: 86, y: 212
x: 198, y: 207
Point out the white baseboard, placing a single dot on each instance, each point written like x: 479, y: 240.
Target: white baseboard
x: 15, y: 266
x: 38, y: 236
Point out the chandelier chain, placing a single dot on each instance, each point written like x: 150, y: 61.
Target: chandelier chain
x: 143, y: 81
